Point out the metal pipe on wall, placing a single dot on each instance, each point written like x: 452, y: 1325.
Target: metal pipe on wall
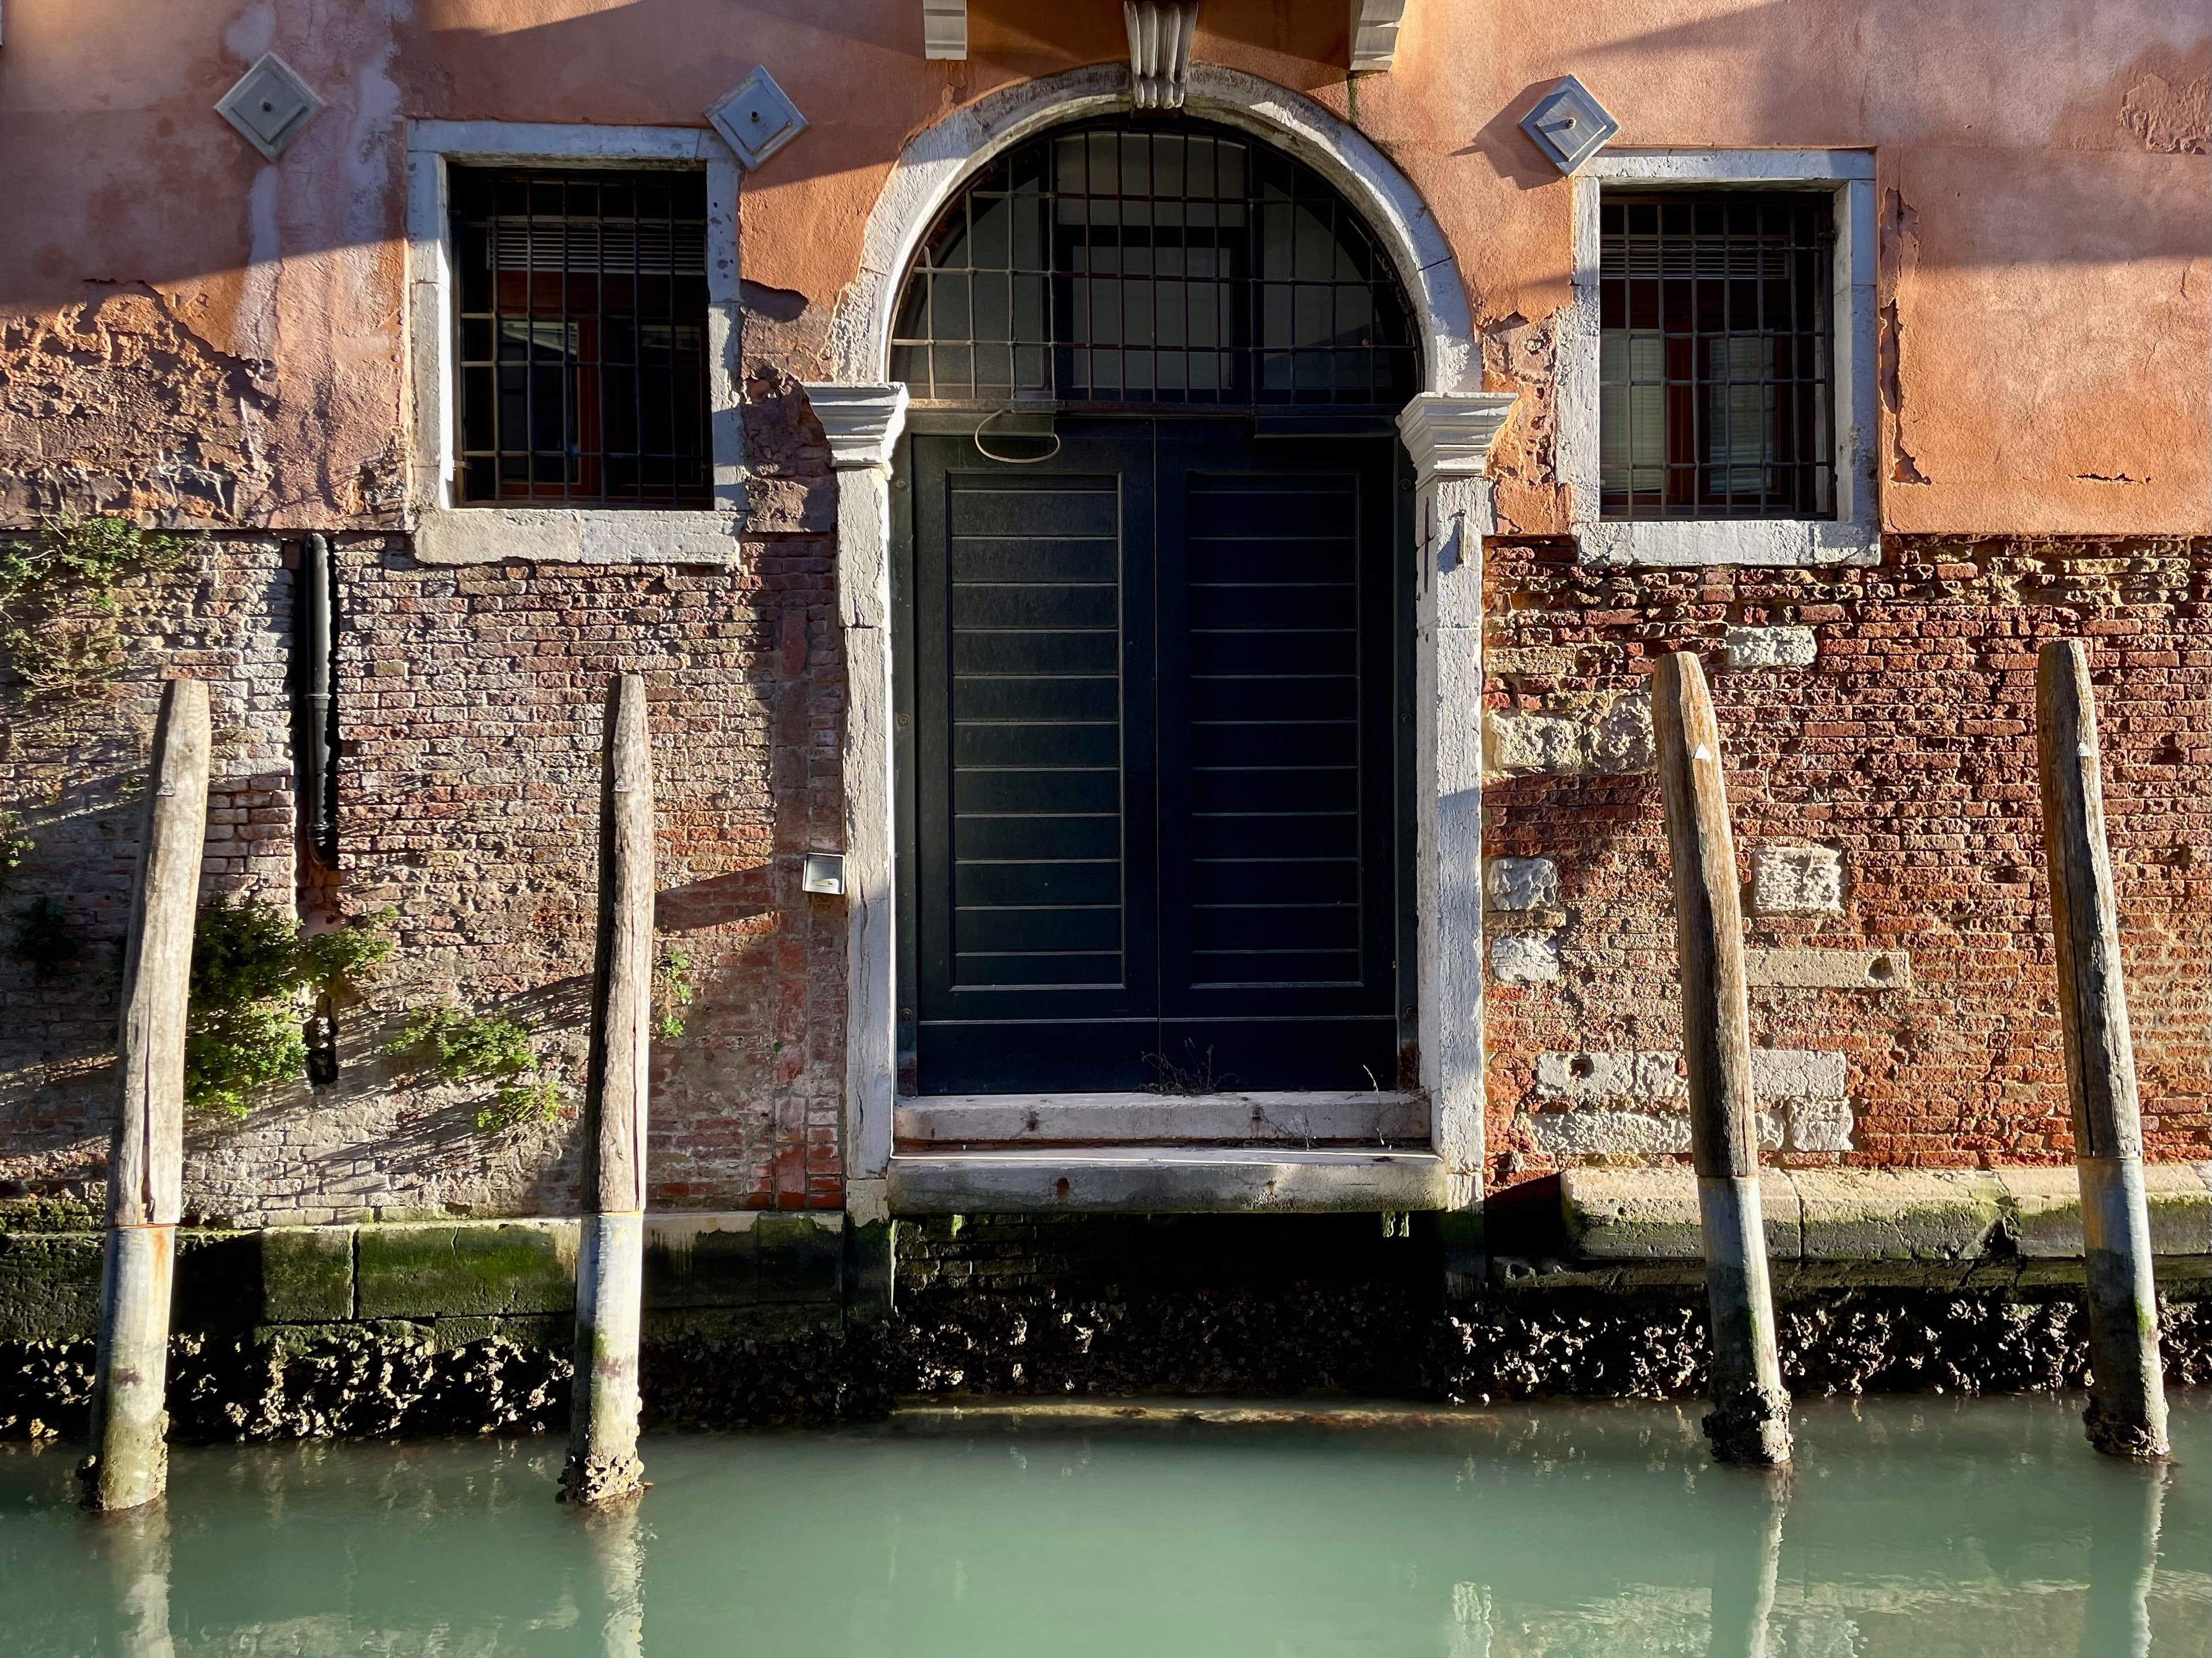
x: 315, y: 761
x: 317, y: 691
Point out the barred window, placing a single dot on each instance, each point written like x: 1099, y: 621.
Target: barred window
x: 1716, y: 356
x: 1126, y: 262
x: 582, y: 316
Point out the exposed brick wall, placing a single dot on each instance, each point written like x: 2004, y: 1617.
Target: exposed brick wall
x: 470, y: 700
x: 470, y: 705
x: 1909, y: 746
x: 70, y: 771
x: 469, y: 717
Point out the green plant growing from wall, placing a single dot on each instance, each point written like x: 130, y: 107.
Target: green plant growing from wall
x: 15, y: 846
x: 673, y: 992
x: 452, y: 1045
x: 250, y: 962
x: 46, y: 938
x: 61, y: 598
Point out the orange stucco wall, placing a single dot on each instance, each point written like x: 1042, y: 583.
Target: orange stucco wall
x: 188, y: 330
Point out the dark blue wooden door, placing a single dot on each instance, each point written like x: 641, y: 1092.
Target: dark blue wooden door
x: 1154, y: 786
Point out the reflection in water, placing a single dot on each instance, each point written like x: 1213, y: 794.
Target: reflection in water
x: 2123, y: 1559
x: 1747, y: 1558
x: 135, y: 1547
x: 1470, y: 1624
x: 614, y: 1604
x: 1914, y: 1528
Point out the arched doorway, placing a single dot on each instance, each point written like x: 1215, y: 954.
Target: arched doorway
x: 1153, y: 624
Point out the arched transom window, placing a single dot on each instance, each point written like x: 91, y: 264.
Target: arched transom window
x: 1148, y: 263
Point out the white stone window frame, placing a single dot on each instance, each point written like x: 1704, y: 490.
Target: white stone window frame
x: 448, y: 533
x: 1853, y: 536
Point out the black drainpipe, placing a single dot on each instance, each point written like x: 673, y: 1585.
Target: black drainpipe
x: 317, y: 729
x: 317, y: 768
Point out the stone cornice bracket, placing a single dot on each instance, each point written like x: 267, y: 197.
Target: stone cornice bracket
x: 1374, y: 33
x: 944, y: 29
x: 1160, y: 33
x: 1450, y: 434
x: 862, y: 421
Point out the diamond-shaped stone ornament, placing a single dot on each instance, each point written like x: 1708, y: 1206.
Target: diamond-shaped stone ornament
x: 756, y: 118
x: 1569, y: 125
x: 269, y: 105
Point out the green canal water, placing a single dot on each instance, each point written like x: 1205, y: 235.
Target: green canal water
x: 1924, y: 1527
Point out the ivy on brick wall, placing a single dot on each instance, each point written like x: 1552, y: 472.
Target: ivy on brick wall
x: 673, y: 992
x: 61, y: 599
x: 15, y: 846
x: 251, y: 963
x: 452, y: 1045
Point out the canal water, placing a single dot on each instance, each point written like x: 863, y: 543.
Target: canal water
x: 1921, y: 1528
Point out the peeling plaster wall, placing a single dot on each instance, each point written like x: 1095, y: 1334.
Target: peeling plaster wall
x: 190, y: 333
x: 2044, y: 264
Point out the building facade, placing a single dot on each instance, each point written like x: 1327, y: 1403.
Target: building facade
x: 1145, y: 535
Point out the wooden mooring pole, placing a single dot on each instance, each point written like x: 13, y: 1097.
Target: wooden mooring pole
x: 603, y: 1461
x: 2127, y: 1390
x: 129, y: 1463
x: 1750, y: 1419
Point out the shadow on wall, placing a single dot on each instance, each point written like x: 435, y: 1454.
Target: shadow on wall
x: 75, y: 771
x: 389, y: 1137
x: 165, y: 193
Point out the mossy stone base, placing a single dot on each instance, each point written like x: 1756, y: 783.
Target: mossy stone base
x: 423, y: 1272
x: 49, y: 1285
x: 306, y: 1274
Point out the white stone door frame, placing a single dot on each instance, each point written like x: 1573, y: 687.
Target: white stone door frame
x: 1448, y: 429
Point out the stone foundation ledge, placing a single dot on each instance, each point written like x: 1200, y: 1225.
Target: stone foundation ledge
x: 1961, y: 1216
x: 459, y: 1279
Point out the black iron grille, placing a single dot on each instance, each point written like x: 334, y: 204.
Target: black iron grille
x: 583, y: 337
x: 1716, y: 356
x: 1134, y: 264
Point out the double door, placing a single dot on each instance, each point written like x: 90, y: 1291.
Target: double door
x: 1150, y: 706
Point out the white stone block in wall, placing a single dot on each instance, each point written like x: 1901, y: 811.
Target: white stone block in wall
x: 1569, y: 1135
x: 1524, y: 958
x: 1595, y: 1077
x: 1621, y: 740
x: 1796, y: 1073
x: 1656, y: 1077
x: 1524, y: 741
x: 1829, y: 970
x: 1796, y: 880
x: 1771, y: 647
x: 1523, y: 883
x: 1820, y: 1126
x: 1607, y: 736
x: 1635, y: 1104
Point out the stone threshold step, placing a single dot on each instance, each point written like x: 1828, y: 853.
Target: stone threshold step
x: 1369, y: 1118
x: 1877, y: 1214
x: 1162, y: 1180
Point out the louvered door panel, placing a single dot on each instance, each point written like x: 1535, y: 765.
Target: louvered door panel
x: 1036, y: 953
x: 1277, y: 787
x: 1155, y: 778
x: 1035, y: 591
x: 1273, y: 606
